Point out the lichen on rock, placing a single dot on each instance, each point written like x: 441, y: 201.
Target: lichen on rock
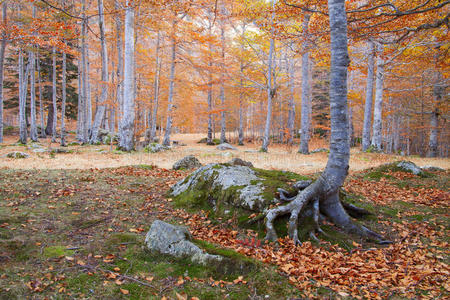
x: 236, y: 186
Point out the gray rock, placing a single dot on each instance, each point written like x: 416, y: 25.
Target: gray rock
x: 432, y: 168
x: 225, y: 146
x: 187, y: 162
x: 409, y: 166
x: 248, y: 189
x: 17, y: 155
x: 320, y: 150
x: 154, y: 148
x: 302, y: 184
x: 240, y: 162
x: 39, y: 150
x: 227, y: 154
x: 175, y: 241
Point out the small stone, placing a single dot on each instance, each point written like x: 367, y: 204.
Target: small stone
x: 187, y: 162
x: 432, y: 168
x: 318, y: 150
x: 240, y: 162
x: 409, y: 167
x: 175, y: 241
x: 17, y: 155
x: 154, y: 148
x: 225, y: 146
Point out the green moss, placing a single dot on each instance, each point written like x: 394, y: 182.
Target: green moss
x: 120, y: 239
x: 57, y: 251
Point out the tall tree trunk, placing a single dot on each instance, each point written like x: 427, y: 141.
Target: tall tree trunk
x: 88, y: 103
x: 64, y: 96
x: 306, y: 88
x: 80, y: 114
x: 378, y: 107
x: 156, y: 89
x: 100, y: 114
x: 291, y: 114
x: 166, y: 140
x: 22, y: 101
x: 369, y: 96
x: 41, y: 104
x: 31, y: 57
x: 438, y: 90
x: 55, y: 110
x: 126, y: 132
x: 2, y: 61
x: 324, y: 192
x: 270, y: 89
x: 119, y: 45
x: 223, y: 122
x: 84, y: 126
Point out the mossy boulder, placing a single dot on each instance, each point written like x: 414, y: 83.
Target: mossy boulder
x: 223, y: 185
x: 17, y: 155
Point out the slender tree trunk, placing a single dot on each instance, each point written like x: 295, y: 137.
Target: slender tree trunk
x: 270, y: 90
x: 156, y: 89
x: 32, y: 62
x: 119, y: 45
x: 41, y: 104
x: 378, y: 107
x: 306, y: 87
x: 126, y: 132
x: 2, y: 61
x: 369, y: 96
x: 291, y: 116
x: 166, y: 140
x: 55, y: 110
x: 89, y: 93
x: 22, y: 101
x: 438, y: 90
x: 80, y: 114
x: 100, y: 114
x: 84, y: 107
x: 223, y: 122
x: 64, y: 96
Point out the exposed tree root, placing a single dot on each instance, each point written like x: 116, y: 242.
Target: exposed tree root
x: 325, y: 204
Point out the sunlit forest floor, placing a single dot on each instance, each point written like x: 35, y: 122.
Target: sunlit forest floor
x: 279, y: 157
x: 68, y: 230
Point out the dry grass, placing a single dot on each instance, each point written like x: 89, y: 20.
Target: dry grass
x: 279, y: 157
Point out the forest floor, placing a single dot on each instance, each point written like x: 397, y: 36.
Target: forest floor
x: 72, y: 226
x: 279, y: 157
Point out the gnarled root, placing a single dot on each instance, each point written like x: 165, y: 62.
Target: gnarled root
x: 323, y: 203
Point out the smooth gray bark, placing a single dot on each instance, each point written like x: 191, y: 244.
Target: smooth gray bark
x: 64, y: 98
x: 291, y: 86
x: 22, y: 101
x: 306, y: 91
x: 2, y: 61
x: 119, y: 45
x: 31, y: 57
x: 166, y: 140
x: 80, y: 120
x: 223, y: 122
x: 126, y: 132
x: 41, y: 104
x: 55, y: 110
x: 83, y: 118
x: 101, y: 107
x: 438, y: 90
x: 156, y: 88
x: 378, y: 107
x: 270, y: 89
x: 369, y: 96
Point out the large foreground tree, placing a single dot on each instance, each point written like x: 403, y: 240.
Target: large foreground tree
x: 324, y: 192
